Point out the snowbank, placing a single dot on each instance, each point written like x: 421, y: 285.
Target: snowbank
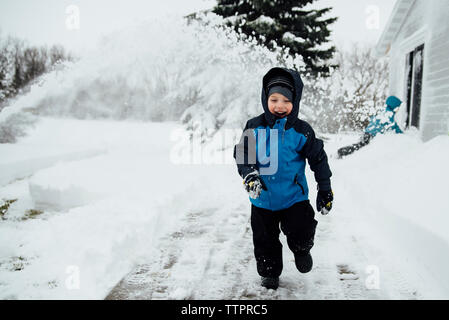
x: 100, y: 215
x: 399, y: 185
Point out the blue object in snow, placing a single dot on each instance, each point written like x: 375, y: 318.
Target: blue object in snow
x: 385, y: 121
x: 393, y: 102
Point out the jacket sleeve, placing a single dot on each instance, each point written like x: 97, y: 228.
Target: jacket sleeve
x: 313, y: 151
x: 245, y: 153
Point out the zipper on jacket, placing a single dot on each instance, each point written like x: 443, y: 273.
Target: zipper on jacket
x: 283, y: 131
x: 282, y: 128
x: 300, y: 185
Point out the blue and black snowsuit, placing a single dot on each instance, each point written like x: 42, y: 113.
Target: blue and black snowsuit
x: 378, y: 124
x: 285, y: 202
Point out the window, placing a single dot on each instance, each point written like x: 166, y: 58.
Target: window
x: 414, y: 76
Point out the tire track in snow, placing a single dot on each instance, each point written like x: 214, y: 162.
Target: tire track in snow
x: 187, y: 260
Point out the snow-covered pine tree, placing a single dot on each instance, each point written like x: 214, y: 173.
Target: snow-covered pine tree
x: 292, y: 24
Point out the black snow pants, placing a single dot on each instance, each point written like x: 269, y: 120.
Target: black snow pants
x: 297, y: 223
x: 345, y: 151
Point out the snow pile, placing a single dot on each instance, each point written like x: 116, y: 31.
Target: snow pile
x: 42, y: 148
x: 399, y: 185
x: 96, y: 217
x: 408, y: 176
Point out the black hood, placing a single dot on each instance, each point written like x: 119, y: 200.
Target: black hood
x: 292, y: 74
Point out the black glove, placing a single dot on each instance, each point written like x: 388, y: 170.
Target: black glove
x: 254, y: 184
x: 324, y: 201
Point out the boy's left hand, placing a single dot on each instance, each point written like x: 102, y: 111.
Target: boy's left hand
x: 324, y: 201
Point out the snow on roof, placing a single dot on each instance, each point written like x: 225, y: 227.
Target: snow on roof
x: 394, y: 23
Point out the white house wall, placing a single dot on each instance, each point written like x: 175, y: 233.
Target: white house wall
x: 427, y: 22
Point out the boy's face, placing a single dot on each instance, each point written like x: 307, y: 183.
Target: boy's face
x: 279, y: 105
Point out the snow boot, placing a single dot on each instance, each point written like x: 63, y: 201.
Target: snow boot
x: 304, y: 262
x: 270, y: 283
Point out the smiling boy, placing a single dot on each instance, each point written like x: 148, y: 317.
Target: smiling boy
x: 280, y: 198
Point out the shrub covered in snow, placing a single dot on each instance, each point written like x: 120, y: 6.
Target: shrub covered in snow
x: 353, y: 93
x: 21, y: 63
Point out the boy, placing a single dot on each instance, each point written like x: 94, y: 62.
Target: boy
x: 378, y: 125
x: 272, y: 166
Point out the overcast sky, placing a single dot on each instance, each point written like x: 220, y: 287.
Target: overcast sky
x: 49, y: 22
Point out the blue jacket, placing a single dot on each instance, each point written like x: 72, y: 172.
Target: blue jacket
x: 278, y: 149
x: 383, y: 122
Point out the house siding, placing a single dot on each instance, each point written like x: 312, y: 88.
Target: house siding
x: 431, y: 18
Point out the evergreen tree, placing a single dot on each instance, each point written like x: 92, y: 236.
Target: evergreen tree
x: 286, y: 22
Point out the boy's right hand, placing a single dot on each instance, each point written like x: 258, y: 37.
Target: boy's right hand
x: 254, y: 184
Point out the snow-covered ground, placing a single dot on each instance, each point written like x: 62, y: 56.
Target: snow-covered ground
x: 109, y: 204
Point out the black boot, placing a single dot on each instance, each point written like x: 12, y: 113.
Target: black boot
x: 270, y: 283
x: 304, y: 262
